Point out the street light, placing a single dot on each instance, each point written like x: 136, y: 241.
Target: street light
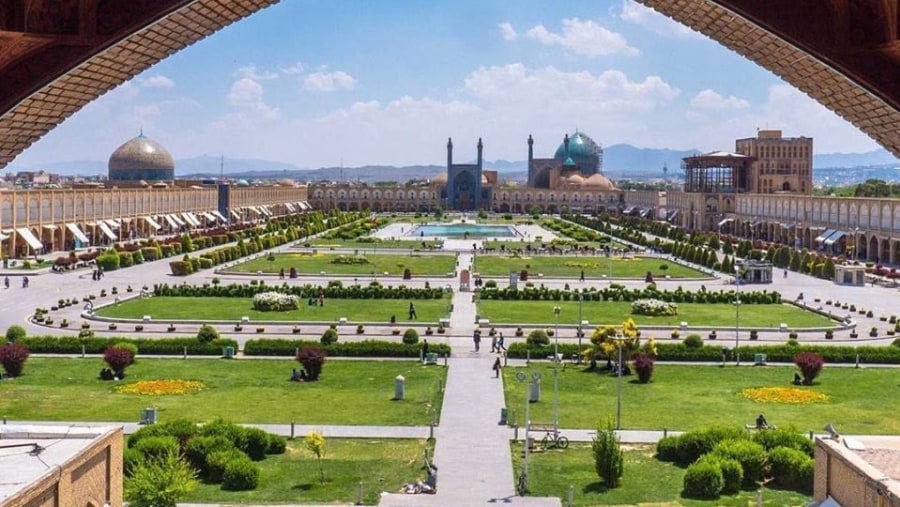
x: 535, y: 379
x: 737, y: 307
x: 620, y: 343
x: 556, y: 311
x: 580, y: 321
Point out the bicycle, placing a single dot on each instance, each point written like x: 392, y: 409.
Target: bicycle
x: 553, y: 440
x: 522, y: 484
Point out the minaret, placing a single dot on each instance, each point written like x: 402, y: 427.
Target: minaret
x: 566, y: 149
x: 449, y: 152
x: 480, y: 148
x: 530, y: 160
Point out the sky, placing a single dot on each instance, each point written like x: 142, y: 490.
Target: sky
x: 323, y: 83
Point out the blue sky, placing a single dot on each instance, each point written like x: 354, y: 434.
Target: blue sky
x: 324, y: 82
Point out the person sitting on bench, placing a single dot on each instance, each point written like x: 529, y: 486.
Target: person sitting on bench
x: 798, y: 380
x: 762, y: 423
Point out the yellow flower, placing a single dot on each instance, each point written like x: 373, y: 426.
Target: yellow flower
x: 783, y: 395
x: 161, y: 387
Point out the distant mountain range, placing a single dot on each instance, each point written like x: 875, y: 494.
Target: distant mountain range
x: 619, y: 161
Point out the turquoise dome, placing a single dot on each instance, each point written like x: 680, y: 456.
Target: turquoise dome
x: 583, y: 151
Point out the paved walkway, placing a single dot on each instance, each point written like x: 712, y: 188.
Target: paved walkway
x: 472, y: 451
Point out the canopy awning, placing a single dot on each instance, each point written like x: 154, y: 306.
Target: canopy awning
x: 3, y: 236
x: 171, y: 220
x: 725, y: 221
x: 194, y: 218
x: 190, y: 220
x: 106, y: 230
x: 79, y: 235
x: 209, y: 216
x: 266, y: 211
x: 822, y: 237
x: 305, y: 205
x: 290, y: 207
x: 645, y: 212
x: 830, y: 240
x: 236, y: 215
x: 152, y: 223
x: 50, y: 227
x: 254, y: 209
x: 628, y: 210
x: 113, y: 223
x: 29, y: 237
x: 219, y: 215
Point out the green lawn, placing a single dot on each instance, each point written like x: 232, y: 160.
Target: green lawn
x: 615, y: 312
x: 373, y: 247
x: 212, y: 308
x: 645, y: 481
x: 243, y: 390
x: 309, y: 263
x: 687, y: 397
x: 293, y: 477
x: 593, y: 266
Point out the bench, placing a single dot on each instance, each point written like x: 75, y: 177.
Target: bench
x: 431, y: 358
x: 754, y: 427
x: 546, y: 427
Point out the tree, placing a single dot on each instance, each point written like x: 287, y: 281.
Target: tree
x: 13, y: 357
x: 15, y: 333
x: 810, y: 365
x: 315, y: 443
x: 159, y: 482
x: 118, y: 358
x: 312, y: 358
x: 608, y: 455
x: 207, y: 333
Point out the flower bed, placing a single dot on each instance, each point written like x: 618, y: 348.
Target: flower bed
x: 161, y: 387
x: 275, y: 302
x: 654, y: 307
x: 783, y: 395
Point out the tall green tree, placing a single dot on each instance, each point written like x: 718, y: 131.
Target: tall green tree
x: 159, y: 482
x: 608, y: 455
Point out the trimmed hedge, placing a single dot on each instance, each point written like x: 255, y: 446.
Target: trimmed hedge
x: 146, y: 346
x: 365, y: 348
x: 331, y: 291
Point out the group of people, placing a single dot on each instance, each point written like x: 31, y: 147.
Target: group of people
x: 24, y: 282
x: 298, y: 375
x: 97, y: 274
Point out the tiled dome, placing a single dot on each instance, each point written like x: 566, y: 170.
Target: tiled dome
x: 141, y: 158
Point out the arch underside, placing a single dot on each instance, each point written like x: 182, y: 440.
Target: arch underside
x: 56, y: 56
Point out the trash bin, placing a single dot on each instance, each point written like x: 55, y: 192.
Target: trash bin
x: 534, y: 392
x: 228, y: 352
x: 759, y: 359
x: 503, y: 415
x: 399, y: 387
x: 148, y: 415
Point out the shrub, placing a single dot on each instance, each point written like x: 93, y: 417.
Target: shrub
x: 538, y: 338
x: 703, y: 480
x: 131, y: 458
x: 277, y: 444
x: 312, y: 358
x: 810, y: 365
x: 654, y: 307
x: 788, y: 437
x: 155, y: 447
x: 732, y: 473
x: 693, y: 444
x: 275, y: 302
x: 328, y: 337
x: 751, y: 456
x: 643, y: 365
x: 199, y: 449
x: 216, y: 461
x: 15, y: 333
x: 207, y: 333
x: 240, y: 475
x: 667, y: 449
x: 257, y: 441
x: 13, y: 357
x: 693, y: 341
x: 226, y: 429
x: 789, y: 468
x: 608, y: 456
x: 410, y: 336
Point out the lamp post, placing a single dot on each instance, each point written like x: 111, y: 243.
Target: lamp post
x: 556, y: 311
x: 580, y: 320
x: 855, y: 243
x: 523, y: 379
x: 620, y: 343
x: 737, y: 308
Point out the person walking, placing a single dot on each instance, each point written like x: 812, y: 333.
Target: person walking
x: 476, y: 337
x: 496, y: 367
x: 412, y: 311
x: 494, y: 347
x: 6, y: 282
x: 24, y: 282
x: 582, y: 276
x: 500, y: 343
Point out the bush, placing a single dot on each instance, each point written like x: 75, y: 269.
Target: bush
x: 312, y: 358
x: 608, y: 456
x: 788, y: 437
x: 200, y: 448
x: 643, y: 365
x: 240, y: 475
x: 810, y: 365
x: 538, y: 338
x: 703, y: 480
x: 667, y: 449
x: 131, y: 458
x: 328, y: 337
x: 13, y: 357
x: 118, y: 358
x: 410, y: 336
x: 751, y: 456
x: 207, y: 333
x: 693, y: 444
x: 257, y: 442
x: 693, y: 341
x: 791, y: 468
x: 275, y: 302
x: 15, y: 333
x: 218, y: 460
x: 155, y: 447
x: 226, y: 429
x: 277, y: 444
x: 732, y: 473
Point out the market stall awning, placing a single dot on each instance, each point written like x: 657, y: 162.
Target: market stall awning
x: 194, y: 218
x: 236, y: 215
x: 172, y: 222
x: 152, y: 223
x: 113, y: 224
x: 29, y: 237
x: 834, y: 238
x: 221, y: 217
x: 254, y: 209
x: 266, y: 211
x: 3, y: 236
x: 822, y: 237
x: 78, y: 233
x: 209, y: 216
x: 190, y: 219
x: 290, y: 207
x: 725, y: 221
x: 106, y: 230
x: 50, y: 227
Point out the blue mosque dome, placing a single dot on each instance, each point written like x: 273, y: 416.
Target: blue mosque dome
x: 583, y: 151
x: 141, y: 158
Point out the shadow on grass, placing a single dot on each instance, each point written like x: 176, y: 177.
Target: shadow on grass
x: 595, y: 487
x: 303, y: 487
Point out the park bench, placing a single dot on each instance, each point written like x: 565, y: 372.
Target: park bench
x: 431, y: 358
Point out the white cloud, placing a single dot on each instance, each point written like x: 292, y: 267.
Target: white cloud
x: 157, y: 81
x: 291, y: 70
x: 329, y: 81
x: 247, y: 95
x: 709, y: 99
x: 250, y: 72
x: 655, y: 22
x: 507, y: 31
x: 583, y: 38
